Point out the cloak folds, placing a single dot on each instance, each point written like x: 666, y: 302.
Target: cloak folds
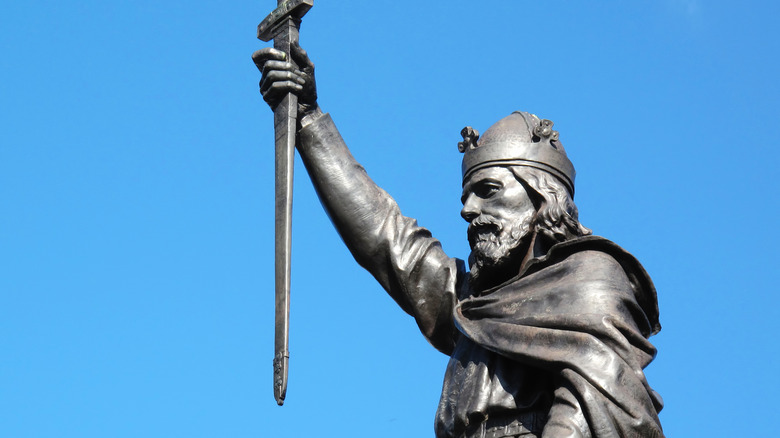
x: 583, y: 313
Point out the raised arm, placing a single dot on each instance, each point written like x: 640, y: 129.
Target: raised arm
x: 401, y: 255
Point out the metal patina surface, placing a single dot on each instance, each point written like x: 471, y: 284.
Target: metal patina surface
x: 282, y: 25
x: 546, y: 325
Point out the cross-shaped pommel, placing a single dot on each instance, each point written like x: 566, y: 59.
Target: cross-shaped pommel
x: 294, y: 9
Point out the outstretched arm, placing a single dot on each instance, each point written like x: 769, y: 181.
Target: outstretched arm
x: 401, y: 255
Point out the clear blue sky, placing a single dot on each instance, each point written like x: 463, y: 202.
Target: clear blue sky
x: 136, y: 292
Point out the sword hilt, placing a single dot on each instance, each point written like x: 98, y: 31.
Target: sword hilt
x: 296, y: 9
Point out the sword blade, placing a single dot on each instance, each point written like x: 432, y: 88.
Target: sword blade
x: 285, y: 118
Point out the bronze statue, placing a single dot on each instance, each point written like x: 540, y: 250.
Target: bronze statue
x: 547, y: 327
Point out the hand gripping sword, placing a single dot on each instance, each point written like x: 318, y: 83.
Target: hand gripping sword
x: 282, y: 25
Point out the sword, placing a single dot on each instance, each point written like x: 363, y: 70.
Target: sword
x: 282, y: 25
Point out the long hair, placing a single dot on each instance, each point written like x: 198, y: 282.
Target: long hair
x: 556, y: 214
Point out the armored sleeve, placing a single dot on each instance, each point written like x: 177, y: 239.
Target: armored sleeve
x: 406, y: 260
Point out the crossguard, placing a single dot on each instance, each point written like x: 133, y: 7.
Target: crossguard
x: 294, y: 9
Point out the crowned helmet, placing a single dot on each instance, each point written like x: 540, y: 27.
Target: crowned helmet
x: 520, y: 139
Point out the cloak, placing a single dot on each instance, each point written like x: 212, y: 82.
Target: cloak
x: 583, y: 313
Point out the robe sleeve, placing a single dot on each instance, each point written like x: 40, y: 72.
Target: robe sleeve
x: 406, y: 260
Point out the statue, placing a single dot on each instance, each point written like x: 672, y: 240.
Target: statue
x: 547, y: 327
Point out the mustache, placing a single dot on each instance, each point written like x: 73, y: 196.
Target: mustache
x: 483, y: 224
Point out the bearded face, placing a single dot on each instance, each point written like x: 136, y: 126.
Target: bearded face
x: 497, y: 245
x: 501, y: 218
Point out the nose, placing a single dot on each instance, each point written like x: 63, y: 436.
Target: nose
x: 471, y: 208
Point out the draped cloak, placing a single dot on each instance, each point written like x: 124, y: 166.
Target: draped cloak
x: 578, y: 320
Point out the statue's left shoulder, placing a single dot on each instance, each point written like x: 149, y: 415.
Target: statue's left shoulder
x: 596, y: 252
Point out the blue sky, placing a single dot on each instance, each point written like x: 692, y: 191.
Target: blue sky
x: 136, y: 242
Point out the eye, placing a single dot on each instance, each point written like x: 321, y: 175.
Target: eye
x: 483, y: 189
x: 486, y: 189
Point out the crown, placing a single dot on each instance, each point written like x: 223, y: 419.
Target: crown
x: 520, y: 139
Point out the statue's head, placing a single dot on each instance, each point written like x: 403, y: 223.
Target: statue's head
x: 518, y: 191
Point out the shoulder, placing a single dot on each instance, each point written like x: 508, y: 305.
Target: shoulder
x: 601, y: 260
x: 594, y: 262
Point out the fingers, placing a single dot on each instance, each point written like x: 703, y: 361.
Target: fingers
x: 270, y: 66
x: 278, y: 90
x: 281, y: 75
x: 262, y: 56
x: 277, y: 84
x: 283, y: 78
x: 300, y: 57
x: 268, y: 54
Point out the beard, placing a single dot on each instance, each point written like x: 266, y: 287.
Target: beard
x: 496, y: 248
